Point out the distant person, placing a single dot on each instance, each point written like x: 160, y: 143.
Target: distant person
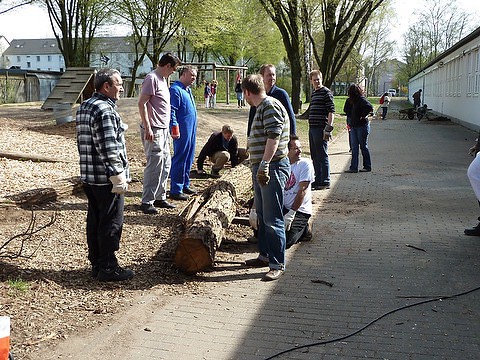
x: 473, y: 174
x: 155, y: 112
x: 213, y: 91
x: 360, y: 109
x: 184, y: 130
x: 417, y: 98
x: 384, y: 105
x: 207, y: 94
x: 268, y: 145
x: 298, y: 195
x: 239, y: 93
x: 104, y: 173
x: 347, y: 109
x: 269, y: 77
x: 220, y: 148
x: 320, y: 123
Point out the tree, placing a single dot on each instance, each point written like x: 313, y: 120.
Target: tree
x: 74, y: 24
x: 374, y: 46
x: 438, y: 26
x: 343, y: 22
x: 285, y: 14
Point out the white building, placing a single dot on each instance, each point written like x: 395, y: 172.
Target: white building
x: 34, y: 54
x: 451, y: 83
x: 44, y: 55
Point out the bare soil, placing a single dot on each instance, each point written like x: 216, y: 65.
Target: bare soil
x: 45, y: 283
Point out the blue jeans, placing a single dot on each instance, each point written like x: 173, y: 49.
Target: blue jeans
x: 360, y: 138
x: 269, y: 205
x: 319, y: 154
x: 384, y: 112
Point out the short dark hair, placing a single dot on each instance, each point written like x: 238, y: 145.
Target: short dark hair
x: 169, y: 58
x: 293, y: 137
x: 227, y: 129
x: 253, y: 83
x: 104, y: 75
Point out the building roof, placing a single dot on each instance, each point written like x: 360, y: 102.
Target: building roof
x: 32, y: 47
x: 118, y: 44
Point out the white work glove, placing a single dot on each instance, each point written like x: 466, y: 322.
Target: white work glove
x: 288, y: 219
x: 252, y: 219
x: 327, y: 132
x: 262, y: 173
x: 120, y: 185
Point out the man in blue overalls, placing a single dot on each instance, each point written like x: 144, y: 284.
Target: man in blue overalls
x: 183, y: 125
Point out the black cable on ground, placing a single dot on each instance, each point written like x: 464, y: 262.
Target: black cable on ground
x: 438, y: 298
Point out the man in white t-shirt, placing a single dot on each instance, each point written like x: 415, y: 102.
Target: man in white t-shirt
x: 298, y: 195
x: 154, y: 108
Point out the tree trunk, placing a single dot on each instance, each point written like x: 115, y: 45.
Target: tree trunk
x: 207, y: 218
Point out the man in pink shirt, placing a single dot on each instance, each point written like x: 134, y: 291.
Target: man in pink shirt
x: 154, y: 108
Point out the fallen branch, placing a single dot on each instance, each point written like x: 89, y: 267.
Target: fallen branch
x: 416, y: 248
x: 24, y: 237
x: 30, y: 157
x: 41, y: 196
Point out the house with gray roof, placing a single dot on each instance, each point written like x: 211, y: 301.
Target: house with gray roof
x: 44, y: 55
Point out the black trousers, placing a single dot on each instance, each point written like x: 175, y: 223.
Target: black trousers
x: 104, y: 225
x: 298, y: 228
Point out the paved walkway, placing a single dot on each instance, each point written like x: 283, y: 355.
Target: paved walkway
x: 384, y: 240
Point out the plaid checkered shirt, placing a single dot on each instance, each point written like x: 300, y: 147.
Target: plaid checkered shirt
x: 100, y: 140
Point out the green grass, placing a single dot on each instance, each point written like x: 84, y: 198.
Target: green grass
x: 18, y: 284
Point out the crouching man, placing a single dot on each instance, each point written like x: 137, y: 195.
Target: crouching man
x: 298, y: 195
x: 221, y: 148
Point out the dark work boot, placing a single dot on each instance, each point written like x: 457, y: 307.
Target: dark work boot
x: 475, y: 231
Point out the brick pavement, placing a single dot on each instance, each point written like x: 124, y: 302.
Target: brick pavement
x: 384, y: 239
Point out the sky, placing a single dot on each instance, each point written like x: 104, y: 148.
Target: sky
x: 31, y: 22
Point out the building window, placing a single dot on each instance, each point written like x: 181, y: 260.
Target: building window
x: 38, y: 58
x: 29, y: 64
x: 19, y: 59
x: 476, y: 61
x: 49, y: 58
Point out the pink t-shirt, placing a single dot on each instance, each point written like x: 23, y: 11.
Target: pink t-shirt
x: 158, y: 106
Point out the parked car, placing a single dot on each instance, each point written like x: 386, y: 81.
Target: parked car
x: 392, y: 92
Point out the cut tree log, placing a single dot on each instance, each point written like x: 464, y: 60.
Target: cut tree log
x: 207, y: 217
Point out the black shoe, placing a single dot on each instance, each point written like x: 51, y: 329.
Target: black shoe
x: 307, y: 234
x: 256, y: 263
x: 148, y: 209
x: 321, y: 187
x: 215, y: 173
x: 365, y: 170
x: 115, y: 274
x: 164, y: 204
x: 189, y: 191
x: 475, y: 231
x: 351, y: 171
x: 179, y: 196
x: 95, y: 270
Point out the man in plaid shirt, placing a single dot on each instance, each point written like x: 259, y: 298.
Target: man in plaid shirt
x: 104, y: 173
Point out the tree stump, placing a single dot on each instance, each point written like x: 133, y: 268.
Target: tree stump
x: 208, y: 217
